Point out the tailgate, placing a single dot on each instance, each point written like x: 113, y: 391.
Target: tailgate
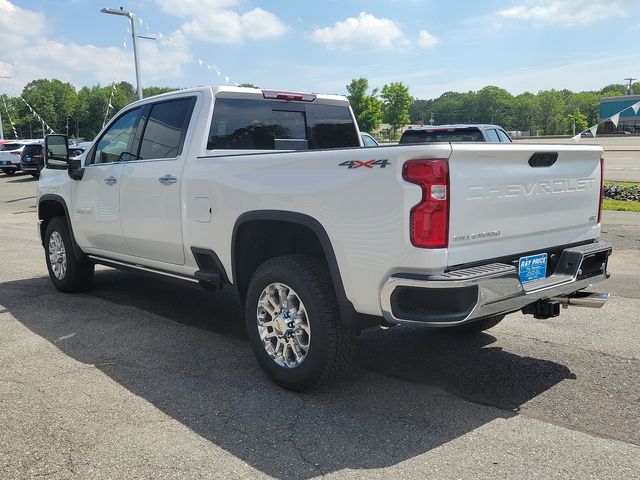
x: 502, y: 205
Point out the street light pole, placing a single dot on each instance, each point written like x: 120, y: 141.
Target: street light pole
x: 131, y: 17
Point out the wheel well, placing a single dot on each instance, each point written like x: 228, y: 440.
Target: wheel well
x: 47, y: 210
x: 259, y: 240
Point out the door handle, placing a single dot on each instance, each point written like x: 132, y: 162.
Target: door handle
x: 111, y: 180
x: 167, y: 180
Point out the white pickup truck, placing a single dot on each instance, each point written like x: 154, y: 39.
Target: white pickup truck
x: 273, y: 193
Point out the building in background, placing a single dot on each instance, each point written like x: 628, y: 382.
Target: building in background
x: 629, y: 120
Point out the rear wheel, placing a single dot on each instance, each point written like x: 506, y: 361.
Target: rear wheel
x: 66, y: 272
x: 477, y: 326
x: 293, y: 323
x: 8, y: 171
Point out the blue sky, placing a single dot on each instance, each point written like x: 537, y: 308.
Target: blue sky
x: 433, y: 46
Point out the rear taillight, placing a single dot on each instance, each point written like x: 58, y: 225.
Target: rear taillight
x: 601, y: 189
x: 429, y: 219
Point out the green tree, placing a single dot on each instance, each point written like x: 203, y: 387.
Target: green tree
x: 576, y: 122
x: 366, y: 108
x: 525, y: 110
x: 551, y: 106
x: 495, y: 105
x: 396, y: 101
x: 419, y: 111
x: 151, y: 91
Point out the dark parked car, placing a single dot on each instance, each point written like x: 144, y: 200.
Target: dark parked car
x: 455, y: 133
x: 31, y: 160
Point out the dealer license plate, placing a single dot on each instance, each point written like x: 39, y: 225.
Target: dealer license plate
x: 533, y: 267
x: 28, y: 159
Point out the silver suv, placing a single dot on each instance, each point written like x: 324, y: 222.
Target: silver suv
x: 455, y: 133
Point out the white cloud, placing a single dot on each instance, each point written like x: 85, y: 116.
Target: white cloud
x: 36, y: 55
x: 13, y: 21
x: 567, y: 12
x: 228, y: 26
x: 365, y: 32
x: 427, y: 40
x: 214, y: 21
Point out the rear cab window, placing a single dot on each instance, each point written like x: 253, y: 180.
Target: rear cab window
x: 262, y: 124
x: 32, y: 149
x: 11, y: 146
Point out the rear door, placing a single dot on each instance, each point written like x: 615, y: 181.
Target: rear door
x: 150, y: 190
x: 505, y: 200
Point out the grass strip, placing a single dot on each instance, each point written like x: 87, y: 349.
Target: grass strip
x: 621, y: 205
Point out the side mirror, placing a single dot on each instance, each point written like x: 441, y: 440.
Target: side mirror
x: 56, y: 156
x: 56, y: 152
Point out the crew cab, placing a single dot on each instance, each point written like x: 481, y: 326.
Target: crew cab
x: 274, y: 193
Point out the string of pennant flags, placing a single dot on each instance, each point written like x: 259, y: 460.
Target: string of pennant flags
x: 613, y: 119
x: 211, y: 67
x: 113, y: 85
x: 13, y: 125
x: 49, y: 129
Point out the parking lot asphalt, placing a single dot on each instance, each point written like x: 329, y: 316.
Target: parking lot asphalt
x: 143, y: 379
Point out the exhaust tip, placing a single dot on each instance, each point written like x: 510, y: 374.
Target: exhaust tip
x: 584, y: 299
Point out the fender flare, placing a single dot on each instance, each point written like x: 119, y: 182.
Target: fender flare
x: 351, y: 319
x: 50, y: 197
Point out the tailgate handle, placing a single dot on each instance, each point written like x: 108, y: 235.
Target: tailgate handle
x: 543, y: 159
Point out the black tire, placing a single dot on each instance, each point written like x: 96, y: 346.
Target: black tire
x: 331, y: 344
x: 8, y: 172
x: 477, y: 326
x: 79, y: 274
x: 35, y: 175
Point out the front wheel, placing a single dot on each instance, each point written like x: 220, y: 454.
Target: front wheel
x: 67, y: 273
x: 8, y: 171
x: 293, y: 323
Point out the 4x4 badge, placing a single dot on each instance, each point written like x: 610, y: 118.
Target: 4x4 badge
x: 367, y: 164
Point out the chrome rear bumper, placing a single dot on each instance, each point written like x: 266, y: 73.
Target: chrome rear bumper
x: 461, y: 296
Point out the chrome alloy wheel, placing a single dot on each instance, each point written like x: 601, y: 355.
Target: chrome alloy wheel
x: 57, y: 255
x: 283, y: 325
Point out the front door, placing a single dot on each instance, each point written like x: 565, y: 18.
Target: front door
x: 97, y: 207
x: 150, y: 189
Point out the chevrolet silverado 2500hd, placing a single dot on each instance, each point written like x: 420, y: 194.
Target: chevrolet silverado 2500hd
x: 273, y: 193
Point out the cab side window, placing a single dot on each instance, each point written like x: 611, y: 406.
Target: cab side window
x: 504, y: 138
x: 166, y: 128
x: 492, y: 136
x: 115, y: 144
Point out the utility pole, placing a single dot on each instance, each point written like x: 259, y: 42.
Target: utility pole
x: 431, y: 119
x: 630, y: 80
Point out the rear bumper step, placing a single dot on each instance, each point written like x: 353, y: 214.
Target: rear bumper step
x: 462, y: 296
